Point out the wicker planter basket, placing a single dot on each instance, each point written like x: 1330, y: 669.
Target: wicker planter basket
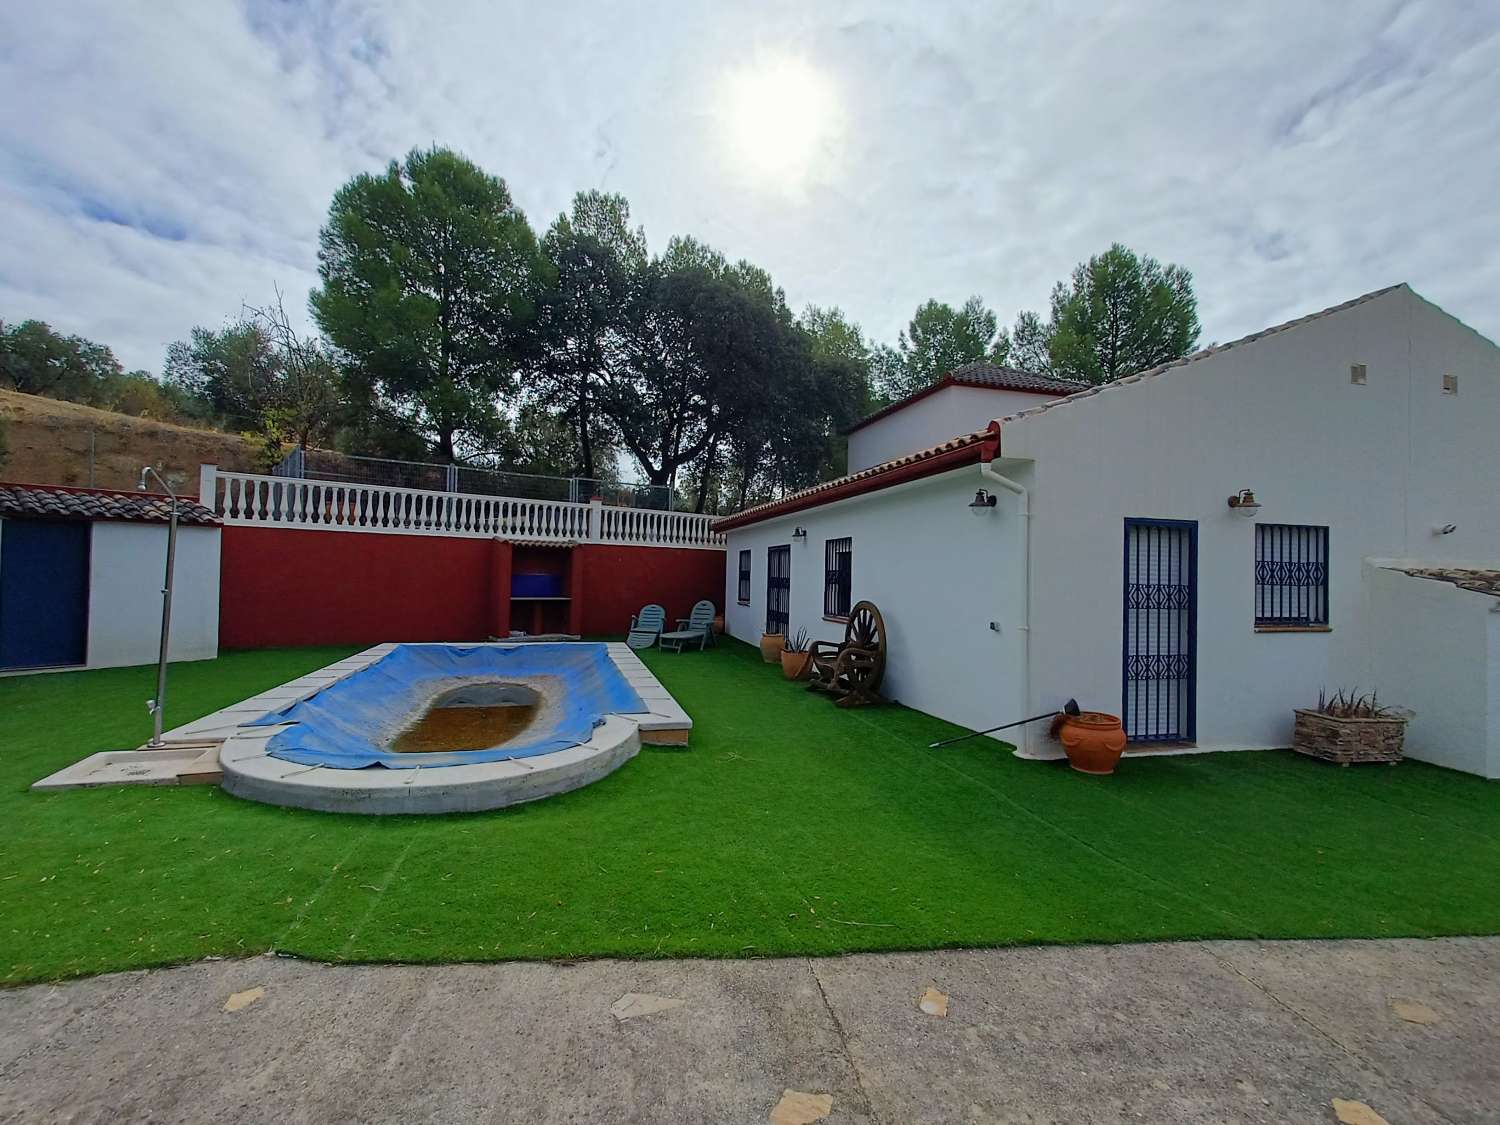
x: 1347, y: 741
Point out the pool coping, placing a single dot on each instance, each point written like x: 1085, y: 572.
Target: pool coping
x: 666, y: 723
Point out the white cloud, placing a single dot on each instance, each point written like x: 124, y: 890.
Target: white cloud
x: 161, y: 164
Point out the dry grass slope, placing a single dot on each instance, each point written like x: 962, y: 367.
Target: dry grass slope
x: 53, y: 442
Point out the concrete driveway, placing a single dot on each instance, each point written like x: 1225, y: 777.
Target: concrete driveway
x: 1188, y: 1032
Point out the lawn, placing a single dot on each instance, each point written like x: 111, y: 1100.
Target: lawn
x: 789, y: 827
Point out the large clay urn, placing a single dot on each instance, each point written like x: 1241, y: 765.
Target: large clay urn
x: 1094, y: 741
x: 771, y: 645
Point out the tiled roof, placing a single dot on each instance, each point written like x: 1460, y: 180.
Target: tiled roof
x: 1205, y: 353
x: 1013, y: 379
x: 913, y: 466
x: 1465, y: 578
x: 56, y: 502
x: 986, y: 375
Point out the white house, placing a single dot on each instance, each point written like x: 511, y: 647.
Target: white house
x: 81, y: 578
x: 960, y: 402
x: 1113, y: 568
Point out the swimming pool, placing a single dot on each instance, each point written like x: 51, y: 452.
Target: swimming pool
x: 431, y: 728
x: 566, y: 691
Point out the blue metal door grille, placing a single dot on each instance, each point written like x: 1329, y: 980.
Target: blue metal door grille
x: 1160, y: 630
x: 778, y: 588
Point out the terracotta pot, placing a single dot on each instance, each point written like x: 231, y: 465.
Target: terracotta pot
x: 794, y: 664
x: 1094, y: 741
x: 719, y: 625
x: 771, y: 645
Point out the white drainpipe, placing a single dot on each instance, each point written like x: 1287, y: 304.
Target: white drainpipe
x: 1020, y: 490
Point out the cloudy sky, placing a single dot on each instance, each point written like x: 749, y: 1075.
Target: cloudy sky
x: 161, y: 163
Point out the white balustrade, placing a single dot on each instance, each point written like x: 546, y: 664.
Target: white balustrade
x: 253, y: 500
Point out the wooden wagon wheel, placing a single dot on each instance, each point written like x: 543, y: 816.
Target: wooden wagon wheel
x: 862, y: 666
x: 866, y: 628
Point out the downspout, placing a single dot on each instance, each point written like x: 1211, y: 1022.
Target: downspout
x: 991, y: 451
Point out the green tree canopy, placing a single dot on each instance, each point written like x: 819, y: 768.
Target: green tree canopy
x: 37, y: 360
x: 233, y: 371
x: 597, y: 263
x: 938, y: 339
x: 1119, y: 314
x: 431, y: 275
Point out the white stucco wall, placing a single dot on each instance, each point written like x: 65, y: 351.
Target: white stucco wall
x: 1378, y: 464
x: 939, y: 575
x: 1431, y: 649
x: 126, y: 565
x: 929, y: 421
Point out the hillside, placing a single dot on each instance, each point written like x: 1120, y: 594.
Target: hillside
x: 53, y: 442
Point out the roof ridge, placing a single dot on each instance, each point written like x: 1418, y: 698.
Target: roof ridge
x: 1215, y: 349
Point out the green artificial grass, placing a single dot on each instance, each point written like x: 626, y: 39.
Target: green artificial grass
x: 789, y: 827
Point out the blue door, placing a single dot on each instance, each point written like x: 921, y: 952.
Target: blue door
x: 1160, y: 698
x: 44, y: 593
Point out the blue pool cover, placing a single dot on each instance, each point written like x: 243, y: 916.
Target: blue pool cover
x: 348, y: 724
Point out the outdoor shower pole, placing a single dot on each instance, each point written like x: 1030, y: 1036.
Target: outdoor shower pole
x: 158, y: 705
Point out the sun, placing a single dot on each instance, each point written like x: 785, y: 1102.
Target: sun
x: 781, y: 112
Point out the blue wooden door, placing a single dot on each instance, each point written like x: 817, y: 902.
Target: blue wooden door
x: 44, y: 593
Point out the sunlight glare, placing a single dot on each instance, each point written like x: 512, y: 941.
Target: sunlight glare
x: 781, y: 110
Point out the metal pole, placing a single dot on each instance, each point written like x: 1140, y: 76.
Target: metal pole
x: 158, y: 705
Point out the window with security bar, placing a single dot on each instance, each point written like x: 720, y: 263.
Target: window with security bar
x: 838, y: 556
x: 744, y: 594
x: 1291, y: 575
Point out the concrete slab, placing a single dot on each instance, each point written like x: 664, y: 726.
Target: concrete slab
x: 1232, y: 1032
x: 124, y: 767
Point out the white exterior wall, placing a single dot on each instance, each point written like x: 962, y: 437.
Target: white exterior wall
x: 1433, y: 649
x: 938, y: 573
x: 1379, y: 464
x: 126, y: 565
x: 929, y: 421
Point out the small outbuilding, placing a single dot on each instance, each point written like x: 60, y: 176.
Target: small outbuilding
x: 81, y: 574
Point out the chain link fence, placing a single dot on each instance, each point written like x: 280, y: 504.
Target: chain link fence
x: 321, y: 464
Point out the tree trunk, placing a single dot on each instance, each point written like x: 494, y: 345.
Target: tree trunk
x: 710, y: 455
x: 585, y: 443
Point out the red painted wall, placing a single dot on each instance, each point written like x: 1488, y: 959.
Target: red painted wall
x: 293, y: 587
x: 611, y: 583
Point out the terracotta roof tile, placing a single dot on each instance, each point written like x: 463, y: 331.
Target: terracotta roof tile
x: 1465, y: 578
x: 806, y: 498
x: 55, y: 502
x: 986, y: 375
x: 1013, y: 379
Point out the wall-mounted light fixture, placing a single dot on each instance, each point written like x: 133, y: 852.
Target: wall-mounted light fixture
x: 799, y: 533
x: 984, y: 501
x: 1444, y: 528
x: 1244, y: 503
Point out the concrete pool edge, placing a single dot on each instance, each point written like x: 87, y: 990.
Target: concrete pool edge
x: 250, y: 772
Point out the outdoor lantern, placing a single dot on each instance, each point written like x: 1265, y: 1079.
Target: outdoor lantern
x: 799, y: 533
x: 983, y: 501
x: 1244, y: 503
